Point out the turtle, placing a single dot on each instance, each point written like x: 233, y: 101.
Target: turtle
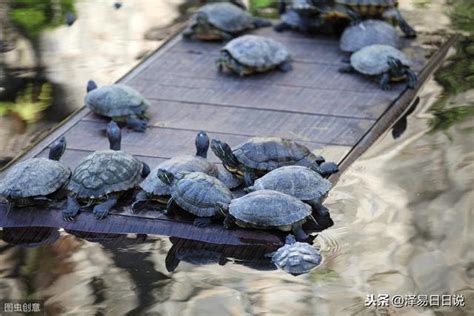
x: 366, y: 33
x: 301, y: 182
x: 156, y: 190
x: 268, y: 209
x: 197, y: 193
x: 250, y: 54
x: 36, y: 180
x: 259, y: 155
x: 356, y: 10
x: 299, y: 15
x: 382, y: 60
x: 296, y: 257
x: 102, y: 177
x: 221, y: 21
x: 239, y: 3
x: 119, y: 102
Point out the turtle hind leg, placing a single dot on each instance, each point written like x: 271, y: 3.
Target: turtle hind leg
x: 299, y: 232
x: 202, y: 222
x: 102, y: 210
x: 137, y: 124
x: 285, y: 66
x: 140, y: 200
x: 404, y: 26
x: 72, y: 209
x: 320, y: 209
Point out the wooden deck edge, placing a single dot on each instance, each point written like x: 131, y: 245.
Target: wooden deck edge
x: 396, y: 110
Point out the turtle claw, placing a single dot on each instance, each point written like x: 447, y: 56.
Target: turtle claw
x: 202, y: 222
x: 137, y: 125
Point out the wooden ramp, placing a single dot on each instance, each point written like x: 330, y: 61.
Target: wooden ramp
x: 337, y: 115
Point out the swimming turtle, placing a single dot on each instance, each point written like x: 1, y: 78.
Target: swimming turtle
x: 196, y: 193
x: 259, y: 155
x: 119, y: 102
x: 103, y: 176
x: 221, y: 21
x: 249, y: 54
x: 156, y: 190
x: 298, y: 181
x: 36, y: 180
x: 368, y: 33
x: 364, y: 9
x: 385, y: 61
x: 268, y: 209
x: 296, y: 257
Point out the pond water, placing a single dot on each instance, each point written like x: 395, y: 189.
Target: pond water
x: 403, y: 213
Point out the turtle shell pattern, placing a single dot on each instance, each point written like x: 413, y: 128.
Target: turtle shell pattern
x: 105, y: 172
x: 372, y: 60
x: 268, y: 209
x: 176, y: 165
x: 368, y: 33
x: 34, y: 177
x: 300, y: 182
x: 116, y: 100
x: 199, y: 193
x: 257, y: 52
x: 369, y: 7
x: 310, y: 258
x: 226, y: 17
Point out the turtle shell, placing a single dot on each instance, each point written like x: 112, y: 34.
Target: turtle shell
x: 153, y: 184
x: 368, y: 33
x: 226, y: 17
x: 268, y: 153
x: 302, y: 6
x: 199, y: 193
x: 369, y: 3
x: 116, y: 100
x: 269, y: 209
x: 104, y: 172
x: 297, y: 258
x: 257, y: 52
x: 300, y: 182
x: 34, y: 177
x: 372, y: 60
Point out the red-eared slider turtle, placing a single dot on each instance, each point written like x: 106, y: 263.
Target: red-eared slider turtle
x: 385, y: 61
x: 153, y: 189
x: 299, y: 15
x: 298, y: 181
x: 259, y: 155
x: 364, y: 9
x: 221, y: 21
x: 250, y: 54
x: 267, y: 209
x: 196, y: 193
x: 35, y: 180
x: 296, y: 257
x: 119, y: 102
x: 368, y: 33
x: 102, y: 177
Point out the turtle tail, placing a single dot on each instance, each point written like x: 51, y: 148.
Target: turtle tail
x: 224, y: 153
x: 165, y: 176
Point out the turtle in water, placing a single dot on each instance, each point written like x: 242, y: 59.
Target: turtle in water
x: 385, y: 61
x: 103, y: 176
x: 259, y: 155
x: 35, y: 181
x: 221, y: 21
x: 296, y: 257
x: 119, y: 102
x: 250, y: 54
x: 298, y: 181
x: 268, y: 209
x: 156, y: 190
x: 355, y: 10
x: 197, y: 193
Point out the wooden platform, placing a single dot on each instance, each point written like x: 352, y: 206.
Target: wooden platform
x: 336, y: 115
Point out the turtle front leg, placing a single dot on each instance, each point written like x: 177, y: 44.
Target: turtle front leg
x: 145, y: 170
x: 412, y: 79
x: 299, y: 232
x: 72, y: 209
x: 347, y: 70
x: 384, y: 81
x: 138, y: 125
x: 170, y: 207
x: 228, y: 222
x: 102, y: 210
x: 10, y: 205
x: 248, y: 178
x: 320, y: 209
x: 285, y: 66
x: 140, y: 200
x: 202, y: 222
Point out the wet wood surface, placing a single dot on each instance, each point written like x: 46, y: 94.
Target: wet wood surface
x: 336, y: 115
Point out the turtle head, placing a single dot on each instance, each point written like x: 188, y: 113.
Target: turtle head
x: 396, y: 68
x: 290, y: 239
x: 91, y: 85
x: 222, y: 208
x: 224, y: 60
x: 57, y: 149
x: 225, y: 154
x: 165, y: 176
x: 202, y: 144
x: 114, y: 134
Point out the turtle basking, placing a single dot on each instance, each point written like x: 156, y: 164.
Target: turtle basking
x: 156, y: 190
x: 221, y: 21
x: 35, y: 180
x: 299, y: 15
x: 368, y: 33
x: 298, y: 181
x: 197, y: 193
x: 250, y: 54
x: 267, y: 209
x: 296, y: 257
x: 385, y: 61
x: 103, y: 176
x: 119, y: 102
x: 259, y: 155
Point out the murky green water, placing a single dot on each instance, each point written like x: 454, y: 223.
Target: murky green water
x: 403, y: 213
